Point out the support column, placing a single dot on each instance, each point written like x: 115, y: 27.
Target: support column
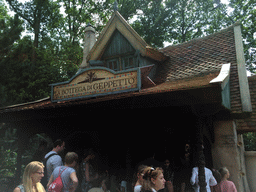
x: 200, y: 154
x: 243, y: 169
x: 225, y: 152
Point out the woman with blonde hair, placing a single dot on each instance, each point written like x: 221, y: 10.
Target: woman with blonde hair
x: 153, y: 179
x: 139, y: 181
x: 32, y: 176
x: 225, y: 185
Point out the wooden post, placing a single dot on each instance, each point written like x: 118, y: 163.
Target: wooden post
x: 201, y: 158
x: 201, y: 172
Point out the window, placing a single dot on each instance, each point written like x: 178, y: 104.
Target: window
x: 121, y: 63
x: 113, y: 64
x: 128, y: 62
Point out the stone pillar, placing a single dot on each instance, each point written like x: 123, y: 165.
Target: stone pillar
x: 243, y: 169
x: 89, y: 41
x: 250, y: 161
x: 226, y: 152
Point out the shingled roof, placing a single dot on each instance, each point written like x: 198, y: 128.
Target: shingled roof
x: 201, y: 57
x: 249, y: 124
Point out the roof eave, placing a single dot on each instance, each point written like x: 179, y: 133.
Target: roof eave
x: 23, y: 105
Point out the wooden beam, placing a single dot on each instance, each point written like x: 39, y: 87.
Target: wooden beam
x: 242, y: 75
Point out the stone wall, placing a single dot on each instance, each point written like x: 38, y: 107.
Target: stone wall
x: 250, y: 162
x: 227, y: 152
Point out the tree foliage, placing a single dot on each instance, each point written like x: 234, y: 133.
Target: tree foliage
x: 250, y: 141
x: 10, y: 31
x: 191, y: 19
x: 36, y: 13
x: 245, y: 12
x: 152, y: 22
x: 178, y: 21
x: 7, y: 151
x: 22, y: 80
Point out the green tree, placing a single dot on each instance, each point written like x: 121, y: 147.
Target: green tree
x: 245, y: 12
x: 218, y: 18
x: 7, y: 151
x: 196, y: 18
x: 250, y: 141
x: 154, y: 20
x: 10, y: 31
x: 178, y: 21
x: 35, y: 13
x: 22, y: 80
x: 68, y: 30
x: 78, y: 13
x: 128, y: 8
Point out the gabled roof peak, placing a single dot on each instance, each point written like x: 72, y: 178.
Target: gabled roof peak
x: 117, y: 22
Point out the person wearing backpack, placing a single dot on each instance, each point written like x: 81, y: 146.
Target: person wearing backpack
x: 52, y: 160
x: 32, y: 176
x: 67, y: 173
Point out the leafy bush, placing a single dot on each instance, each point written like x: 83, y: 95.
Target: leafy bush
x: 8, y: 163
x: 250, y: 141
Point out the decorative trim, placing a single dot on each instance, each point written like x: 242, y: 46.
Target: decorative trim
x: 242, y: 75
x: 223, y: 76
x: 223, y: 80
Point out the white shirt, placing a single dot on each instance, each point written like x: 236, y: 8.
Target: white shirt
x: 210, y: 180
x: 137, y: 188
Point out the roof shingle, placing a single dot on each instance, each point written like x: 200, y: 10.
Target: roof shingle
x: 199, y: 56
x: 203, y: 56
x: 249, y: 124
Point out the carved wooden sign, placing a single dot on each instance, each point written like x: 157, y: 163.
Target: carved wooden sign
x: 96, y: 81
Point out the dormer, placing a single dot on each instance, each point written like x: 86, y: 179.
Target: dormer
x: 119, y: 53
x: 119, y: 47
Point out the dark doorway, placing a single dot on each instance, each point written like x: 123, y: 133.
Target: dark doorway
x: 125, y: 137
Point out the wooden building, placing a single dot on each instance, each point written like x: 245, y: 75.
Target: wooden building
x: 129, y: 101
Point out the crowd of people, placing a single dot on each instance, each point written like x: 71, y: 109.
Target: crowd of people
x: 40, y: 176
x: 150, y: 175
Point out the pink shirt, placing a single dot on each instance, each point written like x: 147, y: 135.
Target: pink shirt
x: 225, y: 186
